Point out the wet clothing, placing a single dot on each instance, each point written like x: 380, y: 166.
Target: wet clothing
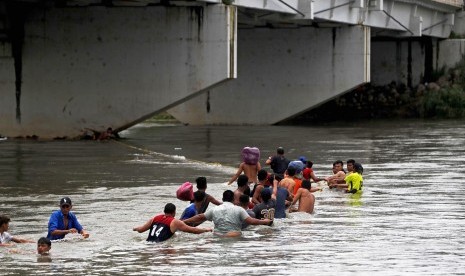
x: 279, y: 164
x: 56, y: 222
x: 5, y: 237
x: 307, y: 173
x: 204, y: 205
x: 160, y: 229
x: 281, y: 195
x: 265, y: 210
x: 298, y: 184
x: 189, y: 212
x: 227, y: 217
x: 251, y: 214
x: 354, y: 182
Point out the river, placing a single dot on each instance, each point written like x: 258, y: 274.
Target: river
x: 409, y: 220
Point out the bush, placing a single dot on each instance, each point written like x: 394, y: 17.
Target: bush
x: 446, y: 103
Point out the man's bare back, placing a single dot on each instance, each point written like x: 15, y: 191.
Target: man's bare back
x: 251, y: 171
x: 306, y: 201
x: 288, y: 183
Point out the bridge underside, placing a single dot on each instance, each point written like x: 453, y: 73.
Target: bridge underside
x: 281, y: 73
x: 78, y: 69
x: 292, y: 58
x: 71, y: 65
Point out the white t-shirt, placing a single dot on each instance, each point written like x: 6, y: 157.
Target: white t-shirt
x: 227, y: 217
x: 5, y: 237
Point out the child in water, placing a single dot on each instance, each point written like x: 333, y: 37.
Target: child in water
x: 43, y: 246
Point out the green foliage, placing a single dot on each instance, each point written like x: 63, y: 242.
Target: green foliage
x: 453, y: 35
x: 446, y: 103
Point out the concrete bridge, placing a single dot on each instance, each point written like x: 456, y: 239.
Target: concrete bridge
x: 69, y: 66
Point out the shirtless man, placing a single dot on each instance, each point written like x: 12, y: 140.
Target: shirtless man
x: 250, y: 170
x: 202, y: 186
x: 242, y: 186
x: 305, y: 197
x: 288, y: 182
x: 262, y: 183
x: 339, y: 173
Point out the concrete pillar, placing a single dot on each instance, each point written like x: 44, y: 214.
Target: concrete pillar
x: 99, y: 67
x: 449, y: 53
x: 282, y: 73
x: 399, y: 60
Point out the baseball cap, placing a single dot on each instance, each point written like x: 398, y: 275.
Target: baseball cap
x: 65, y: 200
x: 303, y: 159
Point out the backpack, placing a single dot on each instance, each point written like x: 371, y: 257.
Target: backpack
x: 185, y: 192
x: 250, y: 155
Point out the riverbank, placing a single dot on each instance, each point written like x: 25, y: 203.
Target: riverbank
x: 444, y: 98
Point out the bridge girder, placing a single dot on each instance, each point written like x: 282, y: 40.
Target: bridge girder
x: 397, y: 18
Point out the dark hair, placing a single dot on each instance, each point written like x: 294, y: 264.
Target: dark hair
x: 170, y: 208
x: 201, y: 183
x: 339, y: 162
x: 44, y: 240
x: 242, y: 180
x: 306, y: 184
x: 358, y: 168
x: 262, y: 175
x: 228, y: 196
x: 309, y: 164
x: 244, y: 199
x: 291, y: 171
x: 199, y: 196
x: 4, y: 219
x: 351, y: 161
x: 265, y: 194
x: 280, y: 150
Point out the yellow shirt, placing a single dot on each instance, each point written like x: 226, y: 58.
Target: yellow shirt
x: 354, y: 182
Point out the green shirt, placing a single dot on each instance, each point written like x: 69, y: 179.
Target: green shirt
x: 354, y: 182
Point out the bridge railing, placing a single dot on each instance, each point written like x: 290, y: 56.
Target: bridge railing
x: 458, y: 3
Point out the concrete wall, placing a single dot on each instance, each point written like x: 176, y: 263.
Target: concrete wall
x: 449, y: 53
x: 393, y: 61
x: 100, y: 67
x: 283, y: 72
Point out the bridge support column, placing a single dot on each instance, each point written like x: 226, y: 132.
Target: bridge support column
x: 99, y: 67
x: 282, y: 73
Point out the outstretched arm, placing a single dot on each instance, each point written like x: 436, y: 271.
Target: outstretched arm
x: 268, y: 161
x: 196, y: 220
x: 214, y: 200
x: 314, y: 178
x: 297, y: 196
x: 239, y: 171
x: 181, y: 226
x: 256, y: 194
x: 254, y: 221
x: 18, y: 240
x: 84, y: 233
x: 143, y: 227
